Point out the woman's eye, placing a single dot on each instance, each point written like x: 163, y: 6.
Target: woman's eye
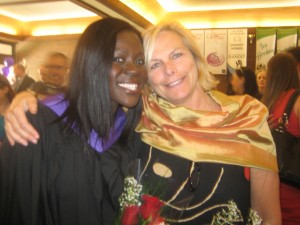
x: 176, y: 55
x: 118, y: 59
x: 140, y: 62
x: 154, y: 66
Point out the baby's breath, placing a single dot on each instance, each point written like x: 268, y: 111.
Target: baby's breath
x: 131, y: 194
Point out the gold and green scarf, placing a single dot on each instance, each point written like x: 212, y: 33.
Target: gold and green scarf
x: 238, y: 135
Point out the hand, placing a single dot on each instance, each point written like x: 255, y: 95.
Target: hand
x: 17, y: 127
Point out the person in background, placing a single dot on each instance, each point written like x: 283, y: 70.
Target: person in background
x: 295, y: 51
x: 261, y: 77
x: 22, y: 80
x: 6, y: 96
x: 59, y: 179
x: 213, y: 154
x: 281, y: 83
x: 243, y: 81
x: 54, y: 73
x: 8, y: 63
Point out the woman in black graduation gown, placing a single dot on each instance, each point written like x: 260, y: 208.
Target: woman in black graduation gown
x: 59, y: 180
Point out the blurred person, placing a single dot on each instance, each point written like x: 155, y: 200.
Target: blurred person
x: 261, y: 77
x: 8, y: 63
x: 59, y: 180
x: 54, y: 74
x: 22, y: 80
x: 6, y: 96
x: 243, y: 81
x: 282, y: 80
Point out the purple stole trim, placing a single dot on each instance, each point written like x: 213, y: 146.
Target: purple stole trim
x: 58, y: 104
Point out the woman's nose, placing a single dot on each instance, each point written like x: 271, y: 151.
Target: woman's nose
x: 170, y: 69
x: 130, y: 68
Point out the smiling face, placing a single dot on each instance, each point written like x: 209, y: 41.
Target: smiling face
x: 54, y: 71
x: 172, y: 70
x: 261, y: 78
x: 128, y: 73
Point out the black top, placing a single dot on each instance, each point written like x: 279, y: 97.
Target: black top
x: 208, y: 189
x: 27, y: 82
x: 53, y: 182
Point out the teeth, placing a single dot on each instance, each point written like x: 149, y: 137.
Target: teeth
x: 132, y: 87
x: 174, y: 83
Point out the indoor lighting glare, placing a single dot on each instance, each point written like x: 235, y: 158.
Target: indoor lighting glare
x: 176, y: 6
x: 279, y: 23
x: 139, y: 7
x: 57, y: 9
x: 47, y: 31
x: 223, y: 24
x: 238, y: 24
x: 8, y: 30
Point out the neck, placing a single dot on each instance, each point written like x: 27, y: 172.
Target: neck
x: 199, y: 100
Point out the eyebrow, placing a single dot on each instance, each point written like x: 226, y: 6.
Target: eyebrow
x: 172, y: 52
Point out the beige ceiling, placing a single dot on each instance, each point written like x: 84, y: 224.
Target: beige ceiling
x: 25, y: 17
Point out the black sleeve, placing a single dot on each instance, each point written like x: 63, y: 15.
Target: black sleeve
x: 21, y: 177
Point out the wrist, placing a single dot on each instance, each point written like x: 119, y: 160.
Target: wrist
x: 35, y: 94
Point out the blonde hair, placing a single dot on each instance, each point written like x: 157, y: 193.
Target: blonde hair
x: 206, y: 79
x: 260, y: 70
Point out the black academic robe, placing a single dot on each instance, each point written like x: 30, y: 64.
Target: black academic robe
x: 54, y: 181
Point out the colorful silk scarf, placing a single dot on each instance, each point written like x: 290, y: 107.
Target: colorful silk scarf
x: 238, y: 135
x: 58, y: 104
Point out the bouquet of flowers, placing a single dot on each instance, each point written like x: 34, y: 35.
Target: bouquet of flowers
x: 138, y: 208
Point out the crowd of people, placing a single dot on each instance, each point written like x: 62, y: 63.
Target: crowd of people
x: 131, y: 98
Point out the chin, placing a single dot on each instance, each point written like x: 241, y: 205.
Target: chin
x: 130, y: 104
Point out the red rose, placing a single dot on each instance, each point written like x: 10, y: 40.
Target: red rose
x: 151, y: 207
x: 130, y: 215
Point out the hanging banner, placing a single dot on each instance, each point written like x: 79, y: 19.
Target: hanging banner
x: 236, y: 49
x: 265, y: 45
x: 216, y: 50
x: 199, y: 35
x: 286, y: 38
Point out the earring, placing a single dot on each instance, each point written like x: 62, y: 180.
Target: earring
x: 153, y: 93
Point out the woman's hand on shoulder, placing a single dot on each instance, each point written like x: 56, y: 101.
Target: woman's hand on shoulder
x: 17, y: 127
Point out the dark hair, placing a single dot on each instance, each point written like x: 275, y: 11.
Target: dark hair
x: 88, y: 95
x: 295, y: 51
x: 282, y: 75
x: 250, y: 85
x: 5, y: 83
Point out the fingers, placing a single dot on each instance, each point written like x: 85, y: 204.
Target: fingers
x: 10, y: 139
x: 18, y: 129
x: 32, y: 105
